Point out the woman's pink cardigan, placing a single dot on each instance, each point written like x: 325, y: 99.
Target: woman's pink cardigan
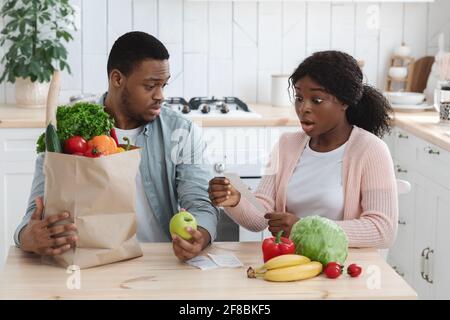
x: 369, y: 184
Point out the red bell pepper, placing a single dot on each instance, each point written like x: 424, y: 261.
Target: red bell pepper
x: 93, y: 152
x: 276, y: 246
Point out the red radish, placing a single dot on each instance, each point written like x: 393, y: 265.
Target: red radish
x: 354, y: 270
x: 333, y: 270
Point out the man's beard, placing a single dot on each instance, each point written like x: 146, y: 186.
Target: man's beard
x: 127, y: 108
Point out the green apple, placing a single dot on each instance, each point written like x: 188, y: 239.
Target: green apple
x: 180, y: 222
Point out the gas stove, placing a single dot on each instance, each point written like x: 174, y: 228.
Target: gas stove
x: 211, y: 107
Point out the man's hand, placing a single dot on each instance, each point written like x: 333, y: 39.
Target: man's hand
x: 187, y: 249
x: 281, y: 221
x: 43, y: 237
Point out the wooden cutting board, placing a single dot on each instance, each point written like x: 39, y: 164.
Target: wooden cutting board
x: 420, y: 72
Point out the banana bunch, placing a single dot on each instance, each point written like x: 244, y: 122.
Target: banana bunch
x: 287, y: 267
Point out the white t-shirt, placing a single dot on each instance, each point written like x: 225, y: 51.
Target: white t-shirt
x: 316, y: 186
x: 148, y: 227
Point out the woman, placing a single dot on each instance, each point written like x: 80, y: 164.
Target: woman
x: 337, y: 167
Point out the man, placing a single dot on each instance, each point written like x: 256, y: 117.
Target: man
x: 169, y: 176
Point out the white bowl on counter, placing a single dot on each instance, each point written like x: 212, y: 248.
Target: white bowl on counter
x: 398, y: 72
x: 405, y: 98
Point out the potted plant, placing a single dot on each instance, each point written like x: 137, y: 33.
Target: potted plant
x: 33, y: 34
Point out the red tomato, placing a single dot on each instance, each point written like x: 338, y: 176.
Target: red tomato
x: 75, y: 144
x: 333, y: 270
x: 354, y: 270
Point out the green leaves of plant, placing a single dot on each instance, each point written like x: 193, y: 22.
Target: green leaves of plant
x: 35, y: 33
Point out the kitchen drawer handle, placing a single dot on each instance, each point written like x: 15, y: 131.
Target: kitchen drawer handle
x: 427, y: 257
x: 422, y: 263
x: 401, y: 274
x: 431, y: 151
x: 403, y: 223
x: 402, y: 136
x: 399, y: 169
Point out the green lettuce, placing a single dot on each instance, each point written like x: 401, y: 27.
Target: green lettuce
x: 81, y: 119
x: 320, y: 239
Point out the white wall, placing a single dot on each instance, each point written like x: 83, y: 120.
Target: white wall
x: 232, y: 48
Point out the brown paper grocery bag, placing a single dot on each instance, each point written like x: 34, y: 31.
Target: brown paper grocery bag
x: 99, y: 193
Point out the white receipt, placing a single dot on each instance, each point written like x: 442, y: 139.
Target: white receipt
x: 202, y: 262
x: 243, y: 189
x: 226, y: 260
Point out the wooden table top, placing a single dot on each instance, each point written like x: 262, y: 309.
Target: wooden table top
x: 159, y: 275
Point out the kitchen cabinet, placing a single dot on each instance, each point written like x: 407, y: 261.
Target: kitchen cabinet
x: 402, y: 252
x: 440, y: 257
x: 17, y: 157
x: 389, y: 139
x: 431, y: 255
x: 424, y: 226
x: 15, y: 179
x: 420, y: 253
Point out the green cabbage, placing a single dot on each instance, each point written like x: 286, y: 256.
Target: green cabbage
x: 320, y: 239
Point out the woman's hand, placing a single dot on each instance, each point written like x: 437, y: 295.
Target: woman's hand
x: 281, y: 221
x: 222, y: 193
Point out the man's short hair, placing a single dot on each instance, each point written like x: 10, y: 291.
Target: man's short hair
x: 132, y: 48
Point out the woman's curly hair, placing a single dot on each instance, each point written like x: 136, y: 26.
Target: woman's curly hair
x: 340, y: 75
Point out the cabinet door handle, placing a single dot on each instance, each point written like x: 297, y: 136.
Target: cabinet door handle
x: 399, y: 169
x: 403, y: 223
x: 428, y: 277
x: 402, y: 136
x: 423, y: 263
x: 429, y: 150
